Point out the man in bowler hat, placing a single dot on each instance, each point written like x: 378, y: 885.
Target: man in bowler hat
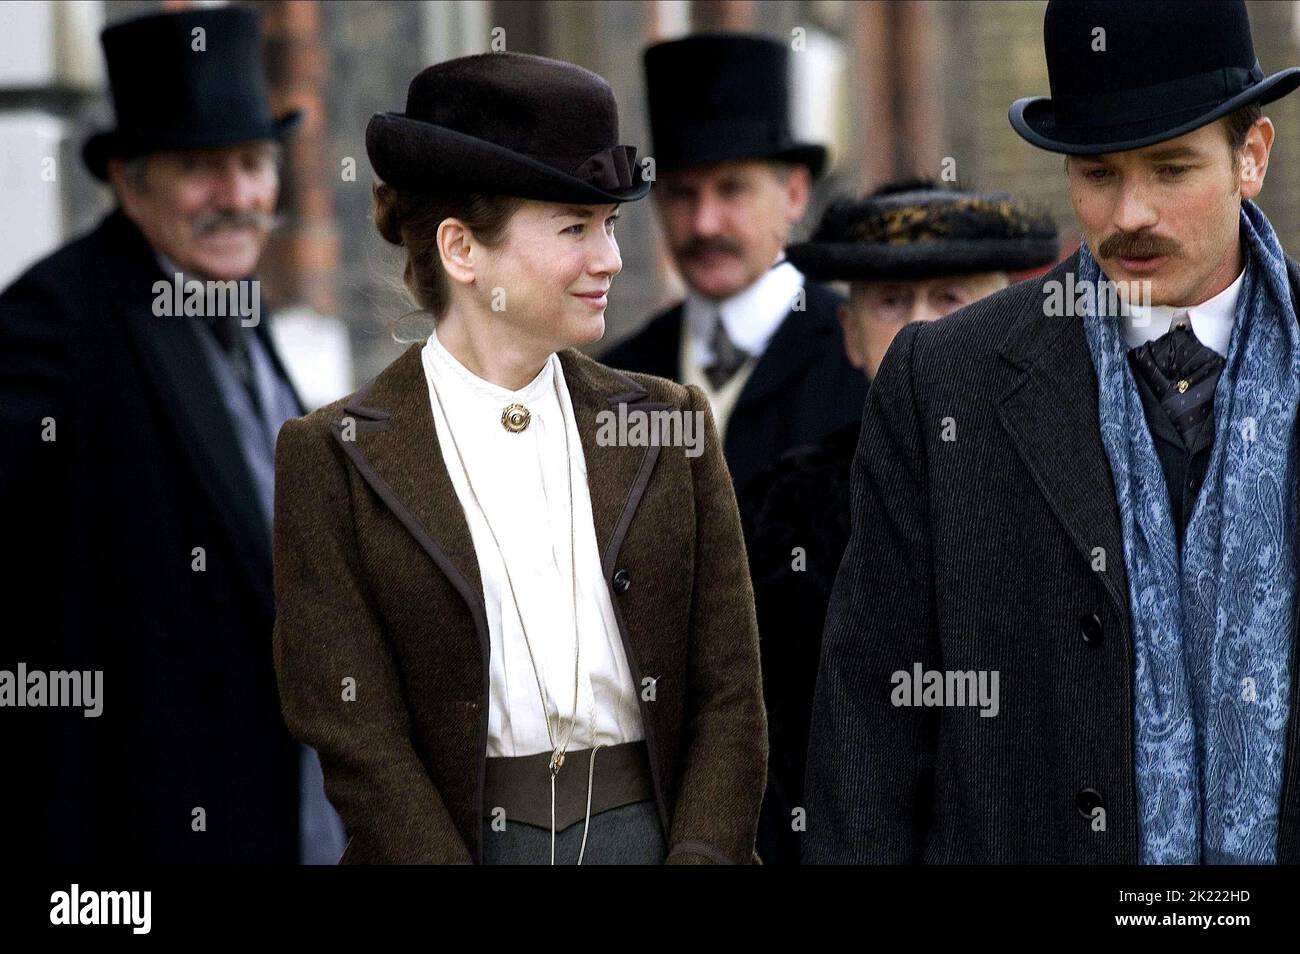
x: 909, y: 251
x: 732, y: 180
x: 140, y: 397
x: 1063, y: 629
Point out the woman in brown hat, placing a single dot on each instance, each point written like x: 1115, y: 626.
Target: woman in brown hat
x: 514, y: 613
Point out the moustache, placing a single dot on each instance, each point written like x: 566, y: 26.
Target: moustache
x: 210, y: 222
x: 703, y: 246
x: 1137, y: 245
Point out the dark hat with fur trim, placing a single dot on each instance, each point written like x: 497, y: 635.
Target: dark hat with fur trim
x: 913, y: 230
x: 507, y: 124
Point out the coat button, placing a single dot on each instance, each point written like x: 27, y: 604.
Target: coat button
x: 1088, y: 801
x: 1090, y: 625
x: 622, y: 581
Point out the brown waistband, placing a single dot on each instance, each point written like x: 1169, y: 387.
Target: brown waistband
x: 522, y: 784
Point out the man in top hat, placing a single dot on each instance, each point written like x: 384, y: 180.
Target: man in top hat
x: 910, y: 251
x: 140, y: 397
x: 1063, y: 627
x: 732, y: 180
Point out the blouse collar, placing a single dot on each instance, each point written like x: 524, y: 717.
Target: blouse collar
x: 448, y: 367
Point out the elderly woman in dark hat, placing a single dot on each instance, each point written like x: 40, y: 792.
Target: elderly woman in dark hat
x: 515, y: 632
x: 910, y: 251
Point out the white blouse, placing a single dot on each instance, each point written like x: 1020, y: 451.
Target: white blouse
x: 520, y: 481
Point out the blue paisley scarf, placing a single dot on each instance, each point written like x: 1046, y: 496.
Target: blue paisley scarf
x: 1212, y: 626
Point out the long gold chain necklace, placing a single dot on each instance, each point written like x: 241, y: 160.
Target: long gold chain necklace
x: 558, y: 749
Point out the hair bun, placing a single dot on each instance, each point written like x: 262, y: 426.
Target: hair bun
x: 388, y: 213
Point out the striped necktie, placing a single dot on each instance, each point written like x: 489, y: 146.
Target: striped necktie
x: 1181, y: 373
x: 727, y: 358
x: 228, y: 330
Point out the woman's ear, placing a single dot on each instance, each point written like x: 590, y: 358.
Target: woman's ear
x: 455, y: 247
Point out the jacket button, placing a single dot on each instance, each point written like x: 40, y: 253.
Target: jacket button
x: 1090, y: 625
x: 622, y: 581
x: 1088, y: 801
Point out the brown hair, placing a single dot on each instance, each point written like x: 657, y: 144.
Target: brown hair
x: 1237, y: 124
x: 411, y: 220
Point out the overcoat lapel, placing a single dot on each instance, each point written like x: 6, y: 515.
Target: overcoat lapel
x: 1051, y: 414
x: 785, y: 358
x: 190, y: 396
x: 658, y: 348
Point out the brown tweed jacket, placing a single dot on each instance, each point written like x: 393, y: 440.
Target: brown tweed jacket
x: 381, y: 639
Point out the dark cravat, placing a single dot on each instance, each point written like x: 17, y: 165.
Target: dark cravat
x: 1181, y: 373
x: 727, y: 358
x: 229, y: 332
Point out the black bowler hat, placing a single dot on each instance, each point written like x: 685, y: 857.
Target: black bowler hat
x: 720, y: 96
x: 1167, y: 68
x: 912, y: 230
x: 175, y: 88
x: 507, y: 124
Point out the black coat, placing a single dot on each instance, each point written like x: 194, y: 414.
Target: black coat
x: 799, y: 526
x: 802, y: 388
x: 100, y: 526
x: 977, y: 554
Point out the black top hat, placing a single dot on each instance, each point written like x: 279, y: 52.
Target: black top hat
x: 720, y: 96
x: 915, y: 230
x: 176, y: 88
x: 1127, y: 75
x: 507, y: 124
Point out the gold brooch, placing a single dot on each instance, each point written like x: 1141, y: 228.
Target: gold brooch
x: 515, y: 418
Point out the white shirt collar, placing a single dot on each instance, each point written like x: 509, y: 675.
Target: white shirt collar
x: 445, y: 367
x: 1211, y: 320
x: 751, y: 316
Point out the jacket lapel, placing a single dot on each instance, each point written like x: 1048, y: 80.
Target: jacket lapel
x: 387, y: 431
x: 617, y: 475
x: 394, y: 445
x: 1051, y: 414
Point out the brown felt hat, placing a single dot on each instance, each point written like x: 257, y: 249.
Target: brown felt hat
x: 507, y: 124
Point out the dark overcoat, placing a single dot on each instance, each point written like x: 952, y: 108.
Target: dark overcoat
x: 102, y: 525
x: 982, y: 499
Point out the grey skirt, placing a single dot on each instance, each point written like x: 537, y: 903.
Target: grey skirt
x: 630, y: 835
x: 624, y: 830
